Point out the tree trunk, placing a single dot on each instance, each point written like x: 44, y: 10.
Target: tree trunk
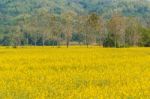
x: 43, y: 42
x: 58, y: 42
x: 79, y: 43
x: 27, y: 41
x: 67, y: 42
x: 86, y: 39
x: 115, y: 42
x: 87, y: 45
x: 100, y: 41
x: 35, y: 43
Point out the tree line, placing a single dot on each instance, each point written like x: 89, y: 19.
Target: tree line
x: 46, y: 29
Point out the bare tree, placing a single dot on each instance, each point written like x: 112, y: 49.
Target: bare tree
x: 68, y: 26
x: 101, y: 27
x: 116, y: 26
x: 132, y: 32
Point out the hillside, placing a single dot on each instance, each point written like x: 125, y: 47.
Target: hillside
x: 12, y: 11
x: 103, y: 7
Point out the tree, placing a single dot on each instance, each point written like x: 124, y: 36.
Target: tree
x: 53, y: 26
x: 117, y: 27
x: 133, y: 32
x: 145, y: 37
x: 80, y: 28
x: 93, y: 23
x: 56, y: 29
x: 102, y: 29
x: 44, y: 25
x: 68, y: 26
x: 23, y: 23
x: 91, y: 27
x: 15, y: 35
x: 34, y: 29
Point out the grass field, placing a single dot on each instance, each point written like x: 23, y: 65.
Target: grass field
x: 74, y: 73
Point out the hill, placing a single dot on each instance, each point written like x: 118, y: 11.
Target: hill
x: 104, y: 7
x: 13, y: 10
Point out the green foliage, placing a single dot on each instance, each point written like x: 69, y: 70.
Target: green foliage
x: 145, y: 37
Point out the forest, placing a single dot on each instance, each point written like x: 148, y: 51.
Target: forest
x: 108, y: 23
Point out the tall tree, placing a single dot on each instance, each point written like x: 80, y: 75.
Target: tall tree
x: 133, y: 31
x: 68, y: 26
x: 101, y: 31
x: 117, y: 27
x: 44, y: 25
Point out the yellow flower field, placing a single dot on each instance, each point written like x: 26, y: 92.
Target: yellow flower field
x: 74, y: 73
